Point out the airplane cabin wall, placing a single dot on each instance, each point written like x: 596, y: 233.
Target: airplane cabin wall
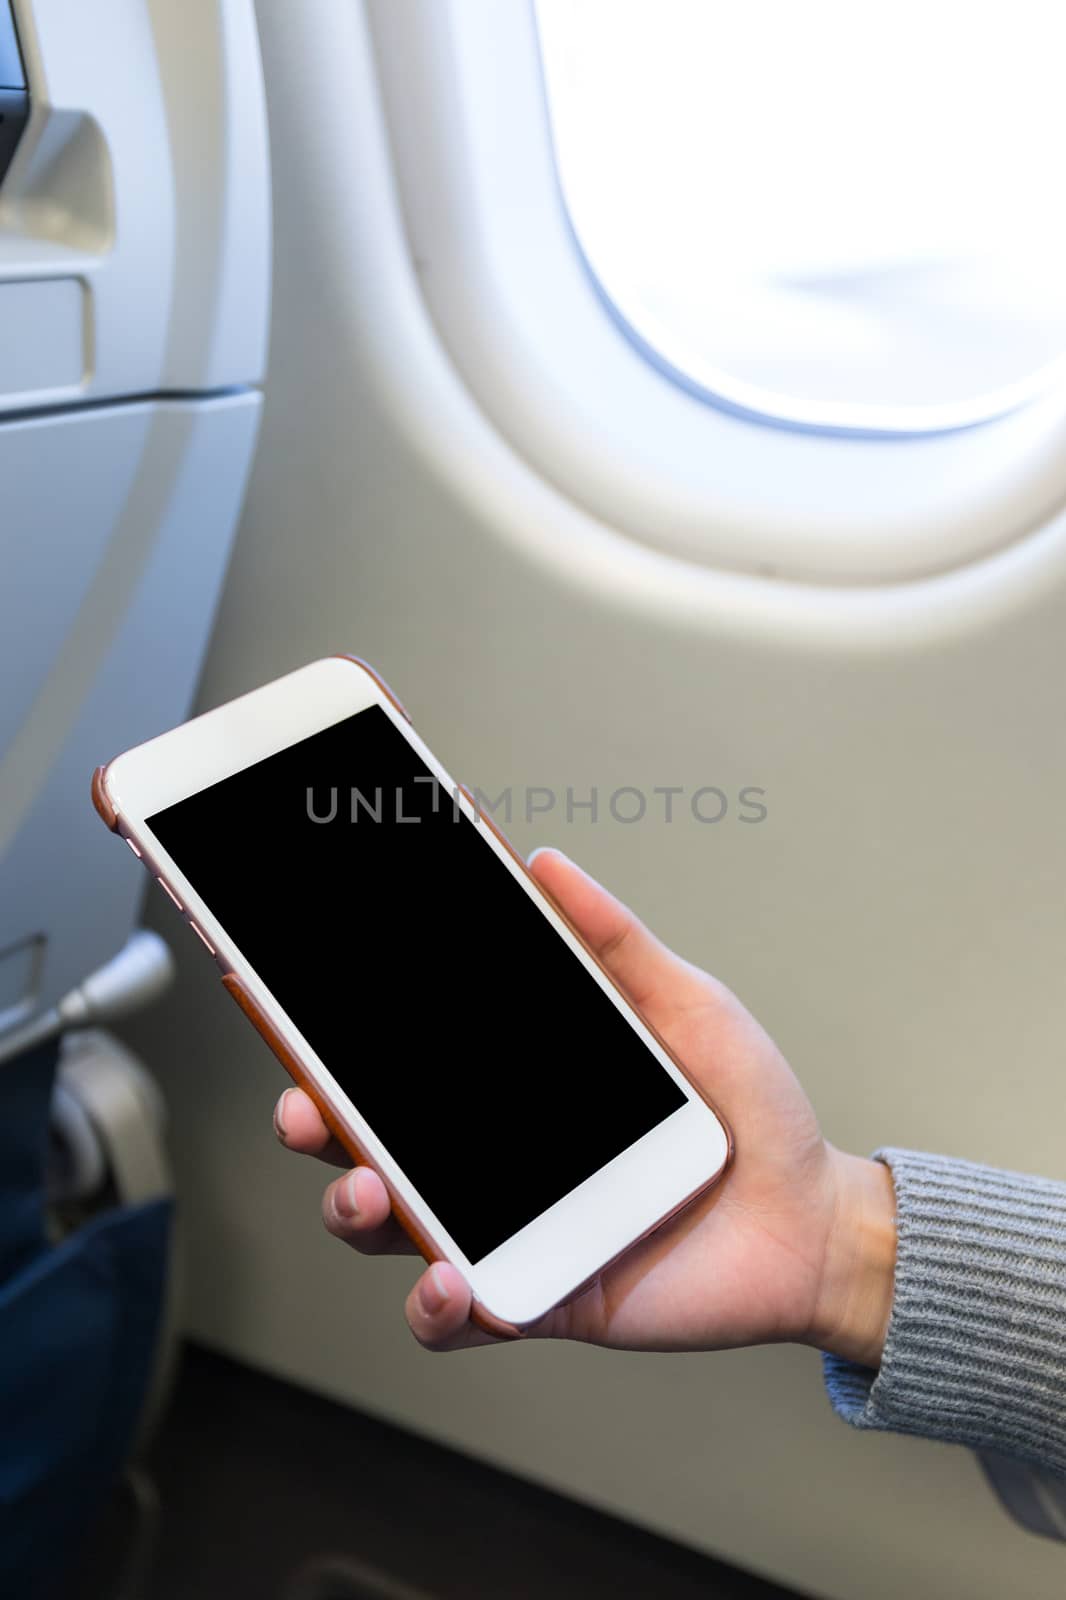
x: 898, y: 920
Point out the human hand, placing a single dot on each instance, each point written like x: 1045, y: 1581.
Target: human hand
x: 797, y: 1243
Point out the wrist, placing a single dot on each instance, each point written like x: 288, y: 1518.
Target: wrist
x: 858, y: 1270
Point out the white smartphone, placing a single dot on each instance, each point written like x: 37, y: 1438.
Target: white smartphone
x: 390, y: 945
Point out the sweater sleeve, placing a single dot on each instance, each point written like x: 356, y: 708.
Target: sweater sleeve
x: 976, y: 1347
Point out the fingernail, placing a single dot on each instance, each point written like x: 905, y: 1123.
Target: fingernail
x: 344, y: 1199
x: 533, y: 854
x: 279, y: 1116
x: 433, y: 1292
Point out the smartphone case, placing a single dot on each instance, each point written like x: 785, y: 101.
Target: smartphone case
x: 236, y: 989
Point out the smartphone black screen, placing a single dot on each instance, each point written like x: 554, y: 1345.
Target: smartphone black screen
x: 485, y: 1058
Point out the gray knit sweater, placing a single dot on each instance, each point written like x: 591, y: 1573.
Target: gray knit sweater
x: 976, y: 1345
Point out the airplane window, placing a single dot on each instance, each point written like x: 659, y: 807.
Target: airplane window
x: 828, y: 215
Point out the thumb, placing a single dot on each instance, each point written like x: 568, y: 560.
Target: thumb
x: 653, y: 977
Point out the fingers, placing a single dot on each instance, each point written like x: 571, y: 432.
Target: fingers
x: 438, y: 1311
x: 356, y: 1208
x: 299, y: 1126
x: 652, y: 976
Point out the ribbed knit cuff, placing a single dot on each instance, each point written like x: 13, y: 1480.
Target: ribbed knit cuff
x: 976, y: 1346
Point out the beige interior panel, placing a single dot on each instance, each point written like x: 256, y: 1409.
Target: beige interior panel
x: 898, y: 920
